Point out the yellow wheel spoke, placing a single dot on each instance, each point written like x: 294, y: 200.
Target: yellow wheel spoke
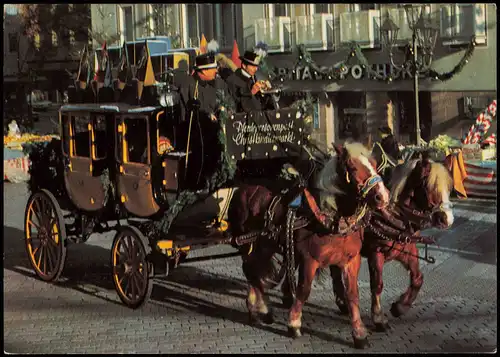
x: 39, y: 257
x: 34, y: 224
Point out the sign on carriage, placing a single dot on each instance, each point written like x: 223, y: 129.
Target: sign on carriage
x: 269, y: 134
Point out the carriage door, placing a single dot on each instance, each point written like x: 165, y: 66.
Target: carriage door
x: 133, y: 155
x: 85, y: 189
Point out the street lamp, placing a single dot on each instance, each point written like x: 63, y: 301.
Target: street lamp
x: 424, y: 35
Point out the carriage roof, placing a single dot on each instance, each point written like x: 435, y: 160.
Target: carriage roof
x: 109, y: 108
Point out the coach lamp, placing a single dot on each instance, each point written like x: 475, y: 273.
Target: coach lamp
x: 424, y: 35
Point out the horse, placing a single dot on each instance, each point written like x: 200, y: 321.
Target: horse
x: 348, y: 185
x: 420, y: 195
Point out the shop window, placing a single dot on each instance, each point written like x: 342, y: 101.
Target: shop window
x: 136, y: 138
x: 352, y: 116
x: 81, y: 135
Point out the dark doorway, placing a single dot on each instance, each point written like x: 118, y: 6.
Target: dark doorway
x: 406, y: 114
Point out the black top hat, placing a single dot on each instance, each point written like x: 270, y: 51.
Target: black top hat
x: 385, y: 130
x: 251, y: 57
x: 205, y: 61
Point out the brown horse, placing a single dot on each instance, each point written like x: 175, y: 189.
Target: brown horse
x: 420, y: 191
x: 349, y: 184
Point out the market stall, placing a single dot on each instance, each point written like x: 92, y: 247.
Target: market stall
x: 16, y: 163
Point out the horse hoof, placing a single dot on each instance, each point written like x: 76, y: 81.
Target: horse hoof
x: 382, y: 327
x: 294, y: 332
x: 343, y: 309
x: 398, y: 310
x: 361, y: 344
x: 287, y: 302
x: 268, y: 318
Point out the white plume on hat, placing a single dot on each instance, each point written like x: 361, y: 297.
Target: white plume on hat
x: 213, y: 47
x: 260, y: 49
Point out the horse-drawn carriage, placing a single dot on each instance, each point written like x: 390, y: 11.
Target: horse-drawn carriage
x: 121, y: 171
x: 117, y: 167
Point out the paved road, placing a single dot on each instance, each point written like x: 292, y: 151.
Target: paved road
x: 201, y: 308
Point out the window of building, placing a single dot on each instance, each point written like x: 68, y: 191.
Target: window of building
x: 361, y: 7
x: 127, y: 23
x: 227, y: 25
x: 352, y: 116
x: 322, y: 9
x: 13, y: 42
x: 280, y: 10
x: 193, y: 25
x: 11, y: 9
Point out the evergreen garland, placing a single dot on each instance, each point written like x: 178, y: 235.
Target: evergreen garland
x: 336, y: 72
x: 46, y: 169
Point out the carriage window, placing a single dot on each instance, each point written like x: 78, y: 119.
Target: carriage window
x: 66, y: 137
x: 165, y: 133
x: 100, y: 142
x: 136, y: 138
x: 81, y: 135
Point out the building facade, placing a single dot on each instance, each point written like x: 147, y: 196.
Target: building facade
x: 183, y: 23
x: 359, y: 103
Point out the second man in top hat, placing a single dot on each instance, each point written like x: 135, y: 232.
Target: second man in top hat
x: 246, y: 90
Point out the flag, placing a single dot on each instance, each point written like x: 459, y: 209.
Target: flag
x: 124, y: 71
x: 235, y: 55
x: 482, y: 124
x: 83, y: 70
x: 96, y: 66
x: 203, y: 44
x: 147, y: 77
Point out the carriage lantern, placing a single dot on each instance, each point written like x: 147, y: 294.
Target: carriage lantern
x: 424, y: 35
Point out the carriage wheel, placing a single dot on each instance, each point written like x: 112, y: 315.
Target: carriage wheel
x: 45, y: 235
x: 277, y: 272
x: 132, y: 272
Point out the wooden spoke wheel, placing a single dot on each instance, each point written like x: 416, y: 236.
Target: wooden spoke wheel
x: 132, y: 272
x: 276, y: 273
x: 45, y: 235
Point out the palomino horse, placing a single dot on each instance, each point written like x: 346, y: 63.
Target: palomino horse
x: 420, y: 196
x: 349, y: 184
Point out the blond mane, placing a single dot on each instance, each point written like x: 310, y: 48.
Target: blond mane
x: 325, y: 181
x: 439, y: 179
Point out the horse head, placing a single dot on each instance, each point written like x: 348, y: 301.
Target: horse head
x: 352, y: 172
x: 424, y: 185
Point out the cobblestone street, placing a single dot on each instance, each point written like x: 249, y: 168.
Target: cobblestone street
x: 200, y: 307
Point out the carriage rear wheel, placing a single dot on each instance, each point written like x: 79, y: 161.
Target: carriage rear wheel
x: 45, y: 235
x: 132, y: 272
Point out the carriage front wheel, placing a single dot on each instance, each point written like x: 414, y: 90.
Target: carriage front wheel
x: 45, y: 235
x: 132, y: 272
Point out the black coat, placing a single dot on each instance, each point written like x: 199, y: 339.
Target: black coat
x: 240, y: 87
x: 204, y: 146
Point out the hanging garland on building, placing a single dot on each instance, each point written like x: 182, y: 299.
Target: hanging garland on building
x: 338, y: 71
x: 458, y: 68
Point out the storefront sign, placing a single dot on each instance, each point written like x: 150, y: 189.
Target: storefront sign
x: 355, y: 71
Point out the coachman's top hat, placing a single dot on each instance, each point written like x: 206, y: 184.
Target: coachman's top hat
x: 252, y: 58
x: 385, y: 130
x: 205, y: 61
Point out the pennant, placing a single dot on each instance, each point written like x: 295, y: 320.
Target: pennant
x: 149, y: 76
x: 124, y: 70
x: 235, y: 55
x: 96, y: 66
x: 203, y: 44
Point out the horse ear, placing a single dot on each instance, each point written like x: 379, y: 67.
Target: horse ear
x: 338, y: 149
